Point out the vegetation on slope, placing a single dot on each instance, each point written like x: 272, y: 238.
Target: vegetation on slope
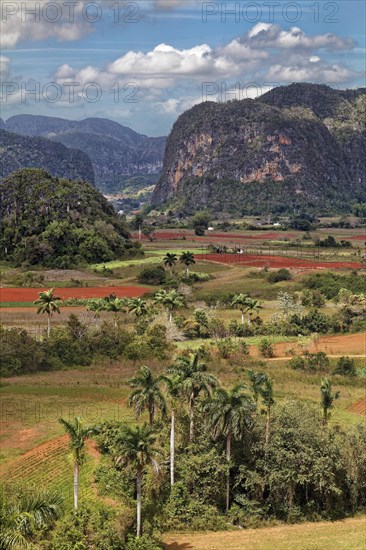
x: 57, y: 222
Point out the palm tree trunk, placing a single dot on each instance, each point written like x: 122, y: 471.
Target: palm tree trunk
x: 172, y: 448
x: 228, y: 458
x: 187, y: 271
x: 76, y: 485
x: 48, y: 325
x: 242, y: 318
x: 191, y: 419
x: 268, y: 422
x: 151, y: 413
x: 249, y: 319
x: 170, y: 317
x: 138, y: 491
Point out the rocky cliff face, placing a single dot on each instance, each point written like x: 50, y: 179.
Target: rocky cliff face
x: 117, y: 153
x: 239, y: 154
x: 17, y: 152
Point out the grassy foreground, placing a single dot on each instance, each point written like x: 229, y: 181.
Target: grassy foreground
x: 349, y: 534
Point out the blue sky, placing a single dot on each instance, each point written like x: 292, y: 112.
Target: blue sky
x: 164, y: 56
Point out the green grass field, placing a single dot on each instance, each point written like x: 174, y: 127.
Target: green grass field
x: 349, y: 534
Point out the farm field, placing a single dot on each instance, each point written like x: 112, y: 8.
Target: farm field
x: 34, y: 448
x: 31, y: 294
x: 348, y: 534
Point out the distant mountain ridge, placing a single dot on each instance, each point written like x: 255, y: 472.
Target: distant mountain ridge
x: 117, y: 152
x: 298, y: 145
x: 18, y: 152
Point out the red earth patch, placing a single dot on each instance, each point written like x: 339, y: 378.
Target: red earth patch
x: 275, y: 261
x: 31, y: 294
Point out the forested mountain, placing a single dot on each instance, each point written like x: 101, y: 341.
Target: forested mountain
x: 17, y: 152
x: 117, y: 153
x: 300, y: 145
x: 56, y: 222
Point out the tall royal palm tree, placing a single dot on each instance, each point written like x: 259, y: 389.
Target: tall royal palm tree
x: 230, y: 414
x: 327, y: 398
x: 267, y: 395
x: 135, y: 448
x: 187, y: 258
x: 174, y: 389
x: 240, y: 301
x: 147, y: 394
x: 138, y: 307
x: 48, y: 303
x: 252, y: 306
x: 195, y: 381
x: 171, y: 300
x: 22, y: 516
x: 257, y: 380
x: 78, y: 434
x: 170, y: 260
x: 262, y: 386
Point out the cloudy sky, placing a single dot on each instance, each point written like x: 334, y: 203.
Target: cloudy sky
x: 144, y: 62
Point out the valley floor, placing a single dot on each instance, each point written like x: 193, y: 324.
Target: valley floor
x: 349, y: 534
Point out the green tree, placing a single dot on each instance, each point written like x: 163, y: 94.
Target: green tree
x: 230, y: 414
x: 78, y: 434
x: 252, y: 306
x: 241, y: 301
x: 195, y: 381
x: 187, y: 258
x: 24, y: 515
x: 48, y: 303
x: 170, y: 260
x: 170, y: 299
x: 147, y: 394
x: 138, y: 307
x: 327, y: 398
x: 134, y: 447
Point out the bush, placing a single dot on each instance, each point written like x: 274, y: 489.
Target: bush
x: 20, y: 353
x: 195, y: 277
x: 183, y: 511
x: 152, y: 276
x: 142, y: 543
x: 297, y: 363
x: 346, y: 367
x: 266, y: 348
x: 226, y: 347
x: 280, y: 275
x: 316, y: 361
x: 92, y: 526
x: 310, y: 362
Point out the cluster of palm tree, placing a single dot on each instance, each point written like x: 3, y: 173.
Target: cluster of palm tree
x: 245, y: 304
x: 186, y: 258
x: 229, y: 412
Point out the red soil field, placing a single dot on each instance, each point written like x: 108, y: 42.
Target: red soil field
x: 31, y: 294
x: 275, y: 261
x: 357, y: 238
x: 359, y: 407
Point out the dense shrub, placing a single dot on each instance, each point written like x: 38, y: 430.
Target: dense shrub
x: 280, y: 275
x: 330, y: 283
x: 20, y: 353
x: 152, y: 276
x: 266, y: 348
x: 94, y: 525
x: 310, y: 362
x: 346, y: 367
